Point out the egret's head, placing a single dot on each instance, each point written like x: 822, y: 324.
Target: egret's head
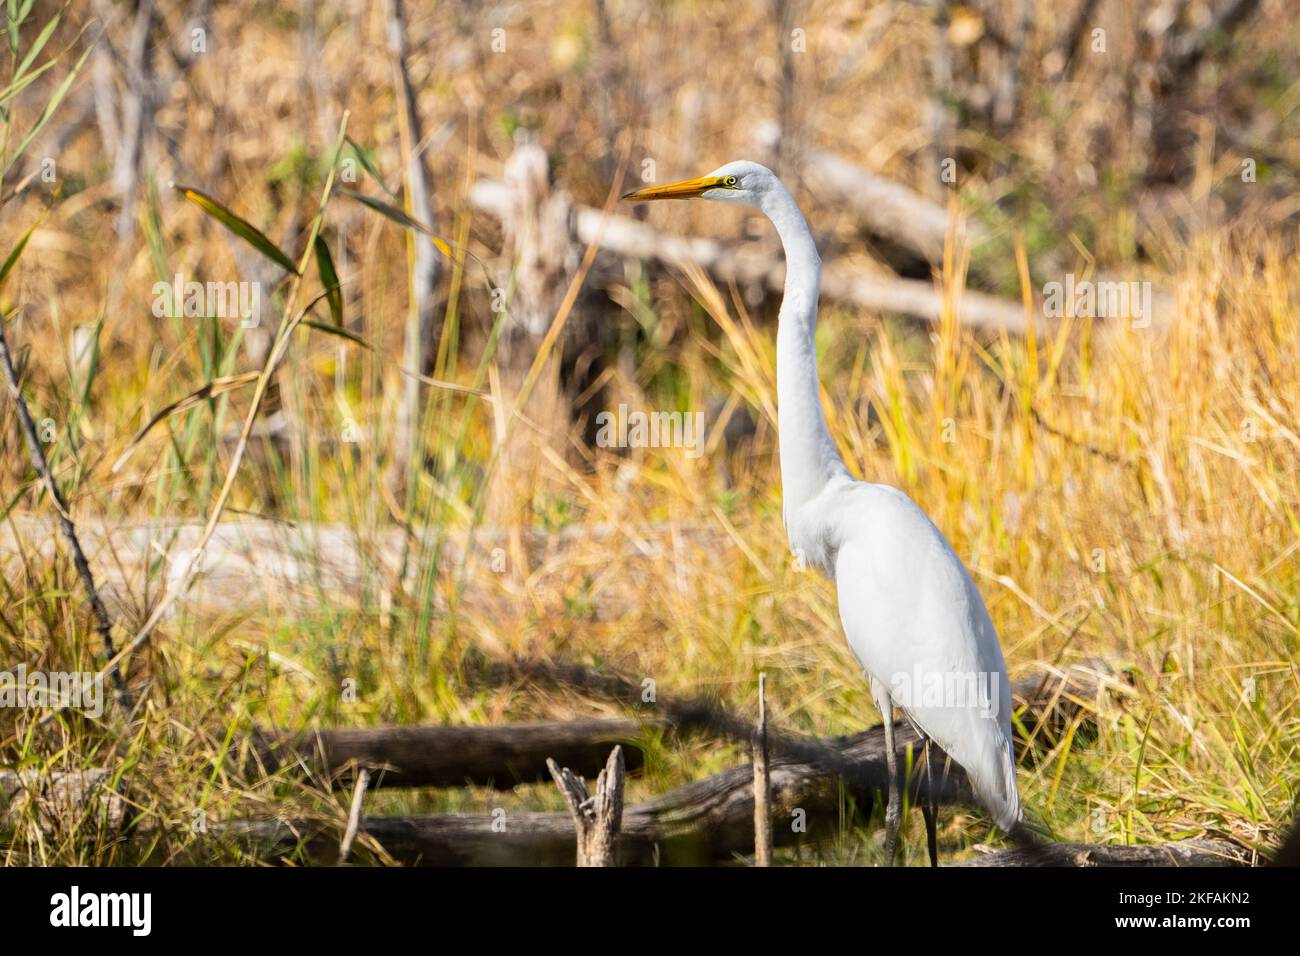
x: 741, y: 181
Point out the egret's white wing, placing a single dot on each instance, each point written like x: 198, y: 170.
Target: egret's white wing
x: 917, y: 624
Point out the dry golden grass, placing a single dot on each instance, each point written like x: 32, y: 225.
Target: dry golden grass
x: 1120, y: 492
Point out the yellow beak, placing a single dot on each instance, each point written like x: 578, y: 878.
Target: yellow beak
x: 686, y: 189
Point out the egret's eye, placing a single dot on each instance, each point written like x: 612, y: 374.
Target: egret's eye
x: 730, y: 182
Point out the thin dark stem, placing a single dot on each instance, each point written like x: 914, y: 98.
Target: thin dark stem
x: 103, y: 624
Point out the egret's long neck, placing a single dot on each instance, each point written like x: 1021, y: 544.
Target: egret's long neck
x: 808, y: 455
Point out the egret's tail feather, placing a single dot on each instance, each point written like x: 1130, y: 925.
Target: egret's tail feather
x: 997, y: 790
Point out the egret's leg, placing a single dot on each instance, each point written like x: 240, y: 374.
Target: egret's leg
x: 894, y: 808
x: 931, y: 842
x: 930, y: 810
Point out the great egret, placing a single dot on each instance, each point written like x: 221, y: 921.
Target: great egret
x: 913, y: 617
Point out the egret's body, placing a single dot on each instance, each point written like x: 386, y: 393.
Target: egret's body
x: 909, y: 608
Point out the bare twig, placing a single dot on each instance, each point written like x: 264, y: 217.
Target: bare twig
x: 354, y: 815
x: 1006, y: 96
x: 1069, y: 47
x: 783, y: 156
x: 939, y: 119
x: 103, y: 624
x: 1187, y: 49
x: 762, y: 784
x: 421, y: 321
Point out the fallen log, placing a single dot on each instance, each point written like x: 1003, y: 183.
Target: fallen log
x: 489, y: 756
x: 547, y: 839
x: 252, y: 563
x: 706, y: 821
x: 813, y: 782
x: 1181, y: 853
x: 703, y: 822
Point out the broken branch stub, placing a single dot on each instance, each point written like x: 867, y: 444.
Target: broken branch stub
x: 597, y: 819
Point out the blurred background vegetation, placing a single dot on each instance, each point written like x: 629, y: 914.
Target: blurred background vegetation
x: 1118, y: 490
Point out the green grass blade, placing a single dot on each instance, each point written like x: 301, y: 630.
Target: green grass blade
x: 330, y: 280
x: 363, y: 157
x: 15, y: 253
x: 20, y: 84
x: 50, y: 107
x: 399, y: 217
x: 42, y: 38
x: 240, y: 227
x: 337, y: 330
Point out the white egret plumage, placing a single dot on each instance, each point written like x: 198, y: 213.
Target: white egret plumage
x: 909, y: 608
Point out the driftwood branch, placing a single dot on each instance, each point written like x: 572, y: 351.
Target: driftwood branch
x: 596, y: 818
x: 632, y: 239
x: 885, y: 209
